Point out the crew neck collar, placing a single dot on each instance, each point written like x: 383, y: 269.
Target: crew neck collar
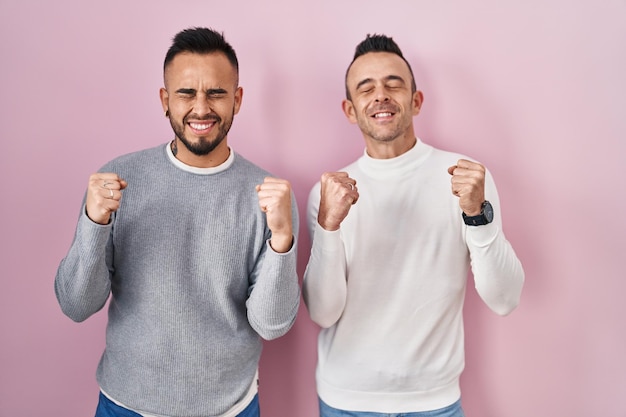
x: 197, y: 170
x: 391, y: 167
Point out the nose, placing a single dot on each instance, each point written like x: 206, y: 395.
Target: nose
x: 201, y: 105
x: 381, y: 95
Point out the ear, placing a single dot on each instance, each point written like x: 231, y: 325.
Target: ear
x: 348, y: 110
x: 238, y: 98
x: 164, y: 99
x: 418, y: 99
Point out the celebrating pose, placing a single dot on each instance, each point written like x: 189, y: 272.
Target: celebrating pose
x: 194, y: 247
x: 394, y: 236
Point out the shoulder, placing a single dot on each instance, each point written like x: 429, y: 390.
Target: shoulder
x: 248, y: 169
x: 446, y: 156
x: 150, y: 156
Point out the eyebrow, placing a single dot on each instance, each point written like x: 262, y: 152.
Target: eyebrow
x: 210, y: 91
x: 387, y: 78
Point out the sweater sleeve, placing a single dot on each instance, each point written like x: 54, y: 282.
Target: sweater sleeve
x: 274, y: 292
x: 82, y: 283
x: 324, y: 286
x: 498, y: 273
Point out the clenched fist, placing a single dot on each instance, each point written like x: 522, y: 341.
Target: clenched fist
x: 468, y: 183
x: 338, y: 194
x: 275, y: 200
x: 104, y: 193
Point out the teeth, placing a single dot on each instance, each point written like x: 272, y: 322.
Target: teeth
x: 199, y: 126
x: 382, y: 114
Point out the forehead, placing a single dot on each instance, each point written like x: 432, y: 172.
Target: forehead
x: 377, y: 66
x: 191, y: 68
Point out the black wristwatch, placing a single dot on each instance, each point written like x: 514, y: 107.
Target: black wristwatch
x: 485, y: 216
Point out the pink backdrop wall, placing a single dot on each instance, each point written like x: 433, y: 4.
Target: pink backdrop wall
x: 535, y: 90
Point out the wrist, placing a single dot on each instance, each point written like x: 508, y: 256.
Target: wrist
x: 327, y: 225
x: 485, y: 216
x: 281, y: 243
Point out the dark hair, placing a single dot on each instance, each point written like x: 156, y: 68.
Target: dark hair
x: 200, y: 41
x: 378, y: 43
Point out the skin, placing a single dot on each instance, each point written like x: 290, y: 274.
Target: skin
x: 382, y: 105
x: 201, y: 97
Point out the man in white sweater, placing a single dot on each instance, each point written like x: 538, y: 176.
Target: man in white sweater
x: 394, y: 236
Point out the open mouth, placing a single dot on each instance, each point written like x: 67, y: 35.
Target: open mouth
x: 381, y: 115
x: 201, y: 127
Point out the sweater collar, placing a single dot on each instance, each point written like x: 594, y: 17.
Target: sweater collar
x: 201, y: 171
x: 392, y: 167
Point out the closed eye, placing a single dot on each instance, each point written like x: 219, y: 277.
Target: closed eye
x: 216, y: 92
x: 186, y: 92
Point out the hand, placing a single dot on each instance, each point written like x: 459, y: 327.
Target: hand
x: 468, y: 183
x: 104, y: 193
x: 275, y: 200
x: 338, y: 194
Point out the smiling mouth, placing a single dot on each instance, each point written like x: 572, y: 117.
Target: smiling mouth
x: 382, y: 114
x: 200, y: 126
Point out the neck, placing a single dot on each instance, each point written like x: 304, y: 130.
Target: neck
x: 391, y: 149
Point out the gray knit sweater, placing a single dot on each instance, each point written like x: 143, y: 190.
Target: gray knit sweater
x: 193, y: 281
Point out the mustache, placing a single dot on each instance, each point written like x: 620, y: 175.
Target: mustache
x: 212, y: 117
x: 387, y: 107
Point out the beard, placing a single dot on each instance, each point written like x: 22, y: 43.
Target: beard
x: 387, y: 133
x: 203, y: 146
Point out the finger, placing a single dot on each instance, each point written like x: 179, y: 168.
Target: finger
x: 270, y: 183
x: 470, y: 165
x: 355, y: 196
x: 451, y: 169
x: 108, y: 180
x: 272, y: 201
x: 339, y: 179
x: 112, y: 194
x: 274, y: 194
x: 114, y: 185
x: 274, y: 180
x: 334, y: 177
x: 463, y: 185
x: 350, y: 183
x: 105, y: 176
x: 272, y: 189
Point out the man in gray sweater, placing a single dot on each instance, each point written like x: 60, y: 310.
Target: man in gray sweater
x: 196, y: 249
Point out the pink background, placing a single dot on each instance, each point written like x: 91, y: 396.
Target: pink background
x: 535, y: 90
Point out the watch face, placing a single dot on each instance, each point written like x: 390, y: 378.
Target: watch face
x: 488, y: 211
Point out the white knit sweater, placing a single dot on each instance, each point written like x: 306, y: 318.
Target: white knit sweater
x: 388, y: 287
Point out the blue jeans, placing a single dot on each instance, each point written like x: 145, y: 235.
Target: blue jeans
x: 453, y: 410
x: 107, y: 408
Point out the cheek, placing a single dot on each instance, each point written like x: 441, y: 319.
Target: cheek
x: 181, y: 108
x: 227, y: 108
x: 359, y: 108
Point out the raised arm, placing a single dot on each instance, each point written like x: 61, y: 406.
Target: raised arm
x: 275, y: 295
x: 82, y: 283
x: 325, y: 286
x: 498, y: 273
